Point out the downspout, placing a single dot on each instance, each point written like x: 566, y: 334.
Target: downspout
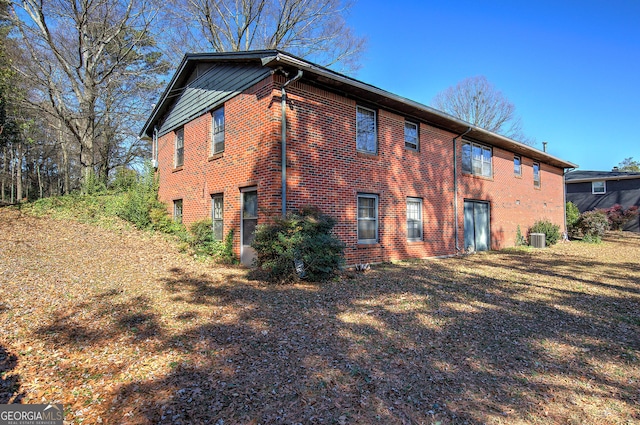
x: 283, y: 126
x: 455, y: 186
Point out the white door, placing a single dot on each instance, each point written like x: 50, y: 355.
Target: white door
x: 249, y: 220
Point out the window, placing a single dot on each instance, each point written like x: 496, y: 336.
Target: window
x: 366, y: 137
x: 517, y: 166
x: 177, y: 210
x: 217, y: 210
x: 476, y: 159
x: 599, y: 187
x: 367, y: 218
x: 217, y: 129
x: 536, y: 174
x: 411, y: 135
x: 414, y: 219
x: 180, y: 147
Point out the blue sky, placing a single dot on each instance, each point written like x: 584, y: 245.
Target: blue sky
x: 572, y: 68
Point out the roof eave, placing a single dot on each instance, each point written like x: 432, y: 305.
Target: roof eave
x: 451, y: 122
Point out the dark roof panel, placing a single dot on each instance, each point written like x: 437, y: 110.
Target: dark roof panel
x: 582, y: 176
x: 214, y: 87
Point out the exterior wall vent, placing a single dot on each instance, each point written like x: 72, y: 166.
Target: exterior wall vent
x: 537, y: 240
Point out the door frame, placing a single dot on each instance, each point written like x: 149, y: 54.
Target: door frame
x: 242, y: 192
x: 464, y: 229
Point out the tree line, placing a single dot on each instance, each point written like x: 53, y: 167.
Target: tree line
x: 79, y: 77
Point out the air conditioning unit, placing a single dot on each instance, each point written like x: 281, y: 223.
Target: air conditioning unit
x: 537, y: 240
x: 154, y: 163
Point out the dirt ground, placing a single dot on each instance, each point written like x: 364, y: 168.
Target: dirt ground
x: 122, y: 328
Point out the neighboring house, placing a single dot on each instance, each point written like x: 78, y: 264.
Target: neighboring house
x: 603, y: 189
x: 402, y: 179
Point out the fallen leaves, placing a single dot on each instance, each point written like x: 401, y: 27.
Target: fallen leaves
x: 122, y: 328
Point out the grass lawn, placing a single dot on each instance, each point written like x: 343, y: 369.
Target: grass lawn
x: 122, y: 328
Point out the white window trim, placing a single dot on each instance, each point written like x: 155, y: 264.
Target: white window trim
x: 419, y: 202
x: 481, y: 146
x: 375, y: 130
x: 417, y: 126
x: 375, y: 219
x: 175, y: 148
x: 213, y: 218
x: 604, y: 187
x: 519, y: 174
x: 213, y: 128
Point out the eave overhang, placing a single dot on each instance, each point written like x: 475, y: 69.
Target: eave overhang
x: 357, y: 90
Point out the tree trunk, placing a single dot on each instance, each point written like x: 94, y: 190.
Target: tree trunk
x: 19, y: 172
x: 64, y: 145
x: 39, y: 178
x: 3, y: 184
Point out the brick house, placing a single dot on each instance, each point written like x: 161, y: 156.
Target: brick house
x: 590, y: 190
x: 402, y: 179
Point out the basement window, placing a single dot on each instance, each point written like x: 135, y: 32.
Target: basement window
x: 177, y: 210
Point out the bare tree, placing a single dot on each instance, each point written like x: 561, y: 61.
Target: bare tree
x: 476, y: 101
x: 78, y: 51
x: 313, y: 29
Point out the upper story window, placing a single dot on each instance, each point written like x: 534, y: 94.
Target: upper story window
x: 217, y: 130
x: 217, y: 210
x: 367, y: 218
x: 177, y: 210
x: 517, y: 166
x: 598, y: 187
x: 179, y: 160
x: 477, y: 159
x: 536, y: 174
x: 414, y: 219
x: 411, y: 135
x: 366, y: 132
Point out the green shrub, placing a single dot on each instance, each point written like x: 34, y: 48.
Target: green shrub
x: 201, y: 232
x: 520, y: 239
x: 593, y: 225
x: 141, y: 199
x: 124, y: 179
x: 550, y: 230
x: 302, y: 245
x: 92, y: 184
x: 572, y: 215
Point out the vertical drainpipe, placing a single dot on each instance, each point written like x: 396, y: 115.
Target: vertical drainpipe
x: 283, y: 126
x: 455, y: 186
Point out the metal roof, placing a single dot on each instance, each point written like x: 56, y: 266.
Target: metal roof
x: 579, y: 176
x: 348, y: 87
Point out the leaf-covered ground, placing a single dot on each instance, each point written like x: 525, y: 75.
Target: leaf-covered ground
x: 122, y: 328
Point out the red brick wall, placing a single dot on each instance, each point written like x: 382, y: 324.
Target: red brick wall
x: 325, y: 170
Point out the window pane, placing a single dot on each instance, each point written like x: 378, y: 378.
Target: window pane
x: 516, y: 166
x: 414, y: 219
x: 366, y: 229
x: 218, y: 130
x: 250, y: 205
x: 411, y: 135
x: 466, y: 158
x: 366, y: 208
x: 177, y: 210
x: 217, y: 214
x: 366, y: 130
x: 179, y: 147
